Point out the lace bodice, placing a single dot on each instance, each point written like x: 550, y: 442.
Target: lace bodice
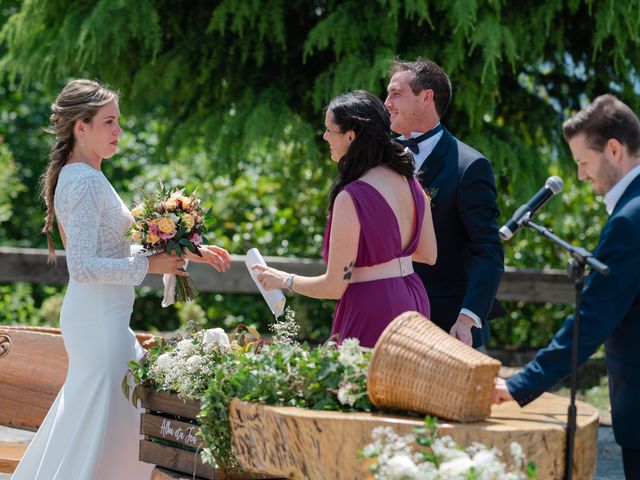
x: 95, y: 221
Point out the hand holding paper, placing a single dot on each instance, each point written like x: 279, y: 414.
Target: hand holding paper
x: 275, y: 298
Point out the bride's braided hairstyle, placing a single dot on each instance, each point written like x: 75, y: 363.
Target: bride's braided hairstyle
x: 79, y: 100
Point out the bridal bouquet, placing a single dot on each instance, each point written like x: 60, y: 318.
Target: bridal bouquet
x: 170, y: 221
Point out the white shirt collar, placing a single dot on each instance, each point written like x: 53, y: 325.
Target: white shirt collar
x: 613, y: 196
x: 426, y: 147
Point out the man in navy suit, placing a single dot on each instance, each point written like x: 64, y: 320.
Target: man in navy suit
x: 462, y: 284
x: 604, y: 139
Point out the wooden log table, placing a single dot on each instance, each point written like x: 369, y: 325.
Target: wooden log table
x: 306, y: 444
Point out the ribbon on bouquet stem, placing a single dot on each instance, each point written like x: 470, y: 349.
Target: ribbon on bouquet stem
x: 169, y: 281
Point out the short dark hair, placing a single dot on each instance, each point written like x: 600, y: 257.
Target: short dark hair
x: 605, y: 118
x: 427, y: 74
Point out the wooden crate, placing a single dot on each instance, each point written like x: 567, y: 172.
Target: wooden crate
x: 171, y: 438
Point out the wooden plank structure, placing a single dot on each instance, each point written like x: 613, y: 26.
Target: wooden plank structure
x: 30, y: 265
x: 33, y: 369
x: 33, y: 366
x: 10, y: 455
x: 160, y: 473
x: 171, y: 439
x: 306, y: 444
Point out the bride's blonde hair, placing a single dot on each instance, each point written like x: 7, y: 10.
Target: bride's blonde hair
x: 79, y: 100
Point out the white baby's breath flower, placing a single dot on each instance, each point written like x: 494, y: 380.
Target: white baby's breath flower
x: 349, y: 353
x: 370, y: 450
x: 194, y: 363
x: 285, y: 330
x: 517, y: 454
x: 401, y: 467
x: 345, y: 395
x: 163, y: 362
x: 186, y: 348
x: 484, y: 459
x: 459, y: 466
x: 428, y: 471
x: 446, y: 449
x: 394, y: 456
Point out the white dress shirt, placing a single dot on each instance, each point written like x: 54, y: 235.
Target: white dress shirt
x: 425, y: 146
x: 613, y: 196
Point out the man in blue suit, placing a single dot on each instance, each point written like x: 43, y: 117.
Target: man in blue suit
x: 462, y: 284
x: 604, y: 139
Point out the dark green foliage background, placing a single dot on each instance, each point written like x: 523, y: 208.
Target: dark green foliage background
x: 227, y: 96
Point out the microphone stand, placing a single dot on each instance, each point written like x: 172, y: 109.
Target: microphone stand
x: 580, y: 258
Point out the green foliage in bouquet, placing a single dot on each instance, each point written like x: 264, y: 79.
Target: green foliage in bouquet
x: 171, y: 222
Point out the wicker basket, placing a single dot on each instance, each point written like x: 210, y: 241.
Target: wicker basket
x: 417, y: 366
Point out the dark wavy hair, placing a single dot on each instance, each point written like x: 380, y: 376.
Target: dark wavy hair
x: 366, y: 115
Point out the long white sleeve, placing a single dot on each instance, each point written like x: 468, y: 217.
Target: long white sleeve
x: 97, y: 251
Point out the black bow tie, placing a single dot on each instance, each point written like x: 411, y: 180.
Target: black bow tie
x: 412, y: 143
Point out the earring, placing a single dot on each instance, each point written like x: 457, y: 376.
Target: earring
x: 81, y: 142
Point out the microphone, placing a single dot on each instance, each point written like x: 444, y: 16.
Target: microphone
x: 552, y: 186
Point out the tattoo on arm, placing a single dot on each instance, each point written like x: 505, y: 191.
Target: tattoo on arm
x: 347, y: 272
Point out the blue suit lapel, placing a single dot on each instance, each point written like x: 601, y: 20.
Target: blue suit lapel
x: 435, y: 161
x: 633, y: 190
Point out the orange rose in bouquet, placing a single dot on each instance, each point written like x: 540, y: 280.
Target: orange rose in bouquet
x: 170, y: 221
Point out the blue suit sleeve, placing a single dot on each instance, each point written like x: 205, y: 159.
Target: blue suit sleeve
x: 605, y: 302
x: 478, y: 213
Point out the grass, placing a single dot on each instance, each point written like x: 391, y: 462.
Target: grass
x: 598, y: 395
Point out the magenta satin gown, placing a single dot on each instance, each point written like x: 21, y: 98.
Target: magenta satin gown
x: 366, y: 308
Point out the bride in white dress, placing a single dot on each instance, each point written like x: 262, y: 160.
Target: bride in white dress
x: 92, y: 430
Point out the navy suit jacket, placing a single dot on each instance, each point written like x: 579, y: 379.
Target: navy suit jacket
x: 609, y: 313
x: 470, y: 259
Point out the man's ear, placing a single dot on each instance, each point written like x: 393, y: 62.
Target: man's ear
x: 428, y: 95
x: 614, y: 150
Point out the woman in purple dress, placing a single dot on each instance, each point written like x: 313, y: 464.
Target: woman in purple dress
x: 379, y: 222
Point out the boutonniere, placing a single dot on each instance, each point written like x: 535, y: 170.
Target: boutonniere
x: 432, y: 193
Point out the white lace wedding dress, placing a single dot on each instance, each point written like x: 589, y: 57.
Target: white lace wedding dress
x: 92, y: 431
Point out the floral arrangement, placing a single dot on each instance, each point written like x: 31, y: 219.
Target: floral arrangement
x: 328, y: 377
x: 440, y: 458
x: 216, y: 368
x: 170, y: 221
x: 184, y: 365
x: 208, y: 365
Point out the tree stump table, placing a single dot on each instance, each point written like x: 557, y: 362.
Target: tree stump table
x: 306, y: 444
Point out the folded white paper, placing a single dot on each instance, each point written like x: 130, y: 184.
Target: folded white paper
x: 275, y: 298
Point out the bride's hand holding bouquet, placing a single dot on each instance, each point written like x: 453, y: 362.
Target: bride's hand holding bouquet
x: 170, y: 224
